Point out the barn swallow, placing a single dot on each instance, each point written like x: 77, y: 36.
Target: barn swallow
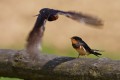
x: 53, y: 14
x: 82, y: 48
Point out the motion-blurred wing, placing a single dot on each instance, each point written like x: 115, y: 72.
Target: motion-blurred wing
x: 87, y: 19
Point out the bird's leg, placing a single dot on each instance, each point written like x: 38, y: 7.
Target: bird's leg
x: 85, y: 56
x: 78, y: 55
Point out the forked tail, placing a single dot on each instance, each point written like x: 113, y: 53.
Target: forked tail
x: 96, y: 52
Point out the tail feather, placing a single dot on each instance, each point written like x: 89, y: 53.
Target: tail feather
x: 96, y: 52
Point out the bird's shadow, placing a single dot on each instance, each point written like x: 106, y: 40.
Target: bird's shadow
x: 52, y: 64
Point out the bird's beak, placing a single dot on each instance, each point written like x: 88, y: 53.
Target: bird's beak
x: 36, y: 15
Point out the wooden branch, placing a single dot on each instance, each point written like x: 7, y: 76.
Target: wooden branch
x: 50, y: 67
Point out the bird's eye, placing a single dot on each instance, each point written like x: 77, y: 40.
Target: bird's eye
x: 43, y: 11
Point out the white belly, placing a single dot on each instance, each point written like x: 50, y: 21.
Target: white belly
x: 82, y: 51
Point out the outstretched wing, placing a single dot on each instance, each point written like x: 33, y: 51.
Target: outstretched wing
x: 80, y: 17
x: 52, y: 15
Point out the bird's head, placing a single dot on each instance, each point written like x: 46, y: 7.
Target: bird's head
x: 75, y: 39
x: 49, y: 14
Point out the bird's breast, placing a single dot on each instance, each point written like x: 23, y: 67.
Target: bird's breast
x: 81, y: 50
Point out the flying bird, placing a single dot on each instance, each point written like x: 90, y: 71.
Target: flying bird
x: 46, y: 14
x: 82, y: 48
x: 52, y: 14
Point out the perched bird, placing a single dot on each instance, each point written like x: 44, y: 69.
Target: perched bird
x: 82, y: 48
x: 46, y: 14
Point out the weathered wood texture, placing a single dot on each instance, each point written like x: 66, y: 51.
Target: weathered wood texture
x: 50, y: 67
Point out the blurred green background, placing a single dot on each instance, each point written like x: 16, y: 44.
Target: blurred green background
x: 17, y: 19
